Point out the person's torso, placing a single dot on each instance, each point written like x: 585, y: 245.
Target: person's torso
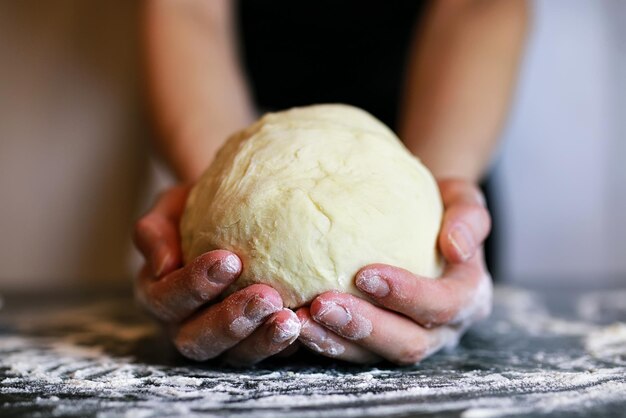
x: 305, y: 52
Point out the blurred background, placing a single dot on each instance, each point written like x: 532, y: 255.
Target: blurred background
x: 560, y: 178
x: 77, y: 164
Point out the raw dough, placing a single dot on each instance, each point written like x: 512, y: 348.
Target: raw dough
x: 308, y: 196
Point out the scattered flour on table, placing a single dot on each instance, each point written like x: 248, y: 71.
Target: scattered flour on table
x: 608, y: 343
x: 78, y: 360
x: 595, y: 305
x: 527, y: 312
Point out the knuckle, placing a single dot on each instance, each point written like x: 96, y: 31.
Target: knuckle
x: 196, y: 285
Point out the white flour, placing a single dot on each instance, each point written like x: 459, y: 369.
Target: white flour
x: 90, y: 356
x: 608, y: 343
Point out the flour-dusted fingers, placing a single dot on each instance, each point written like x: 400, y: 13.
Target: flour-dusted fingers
x: 156, y: 233
x: 219, y: 327
x: 466, y: 221
x: 275, y: 335
x: 322, y: 341
x: 177, y: 295
x: 391, y: 336
x: 462, y: 294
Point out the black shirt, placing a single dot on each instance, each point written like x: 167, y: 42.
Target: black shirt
x: 327, y: 51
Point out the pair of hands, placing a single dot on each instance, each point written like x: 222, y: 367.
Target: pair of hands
x: 412, y: 316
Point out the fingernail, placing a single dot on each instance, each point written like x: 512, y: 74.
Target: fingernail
x: 373, y: 285
x: 258, y: 308
x: 462, y: 240
x: 222, y: 270
x: 333, y: 315
x: 285, y: 331
x: 230, y: 264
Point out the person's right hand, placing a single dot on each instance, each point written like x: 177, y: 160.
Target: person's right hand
x: 247, y: 326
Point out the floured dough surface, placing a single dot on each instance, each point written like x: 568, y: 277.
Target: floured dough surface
x: 308, y: 196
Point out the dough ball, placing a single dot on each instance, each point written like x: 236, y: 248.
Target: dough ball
x: 308, y: 196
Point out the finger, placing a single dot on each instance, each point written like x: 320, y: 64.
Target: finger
x: 389, y: 335
x: 462, y: 294
x: 177, y: 295
x: 221, y: 326
x: 322, y: 341
x: 466, y: 221
x: 156, y: 233
x: 275, y: 335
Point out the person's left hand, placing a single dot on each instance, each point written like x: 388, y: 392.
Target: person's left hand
x: 411, y: 317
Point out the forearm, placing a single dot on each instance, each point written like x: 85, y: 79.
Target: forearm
x: 459, y: 82
x: 198, y: 93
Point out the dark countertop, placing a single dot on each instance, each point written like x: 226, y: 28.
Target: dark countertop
x: 540, y: 354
